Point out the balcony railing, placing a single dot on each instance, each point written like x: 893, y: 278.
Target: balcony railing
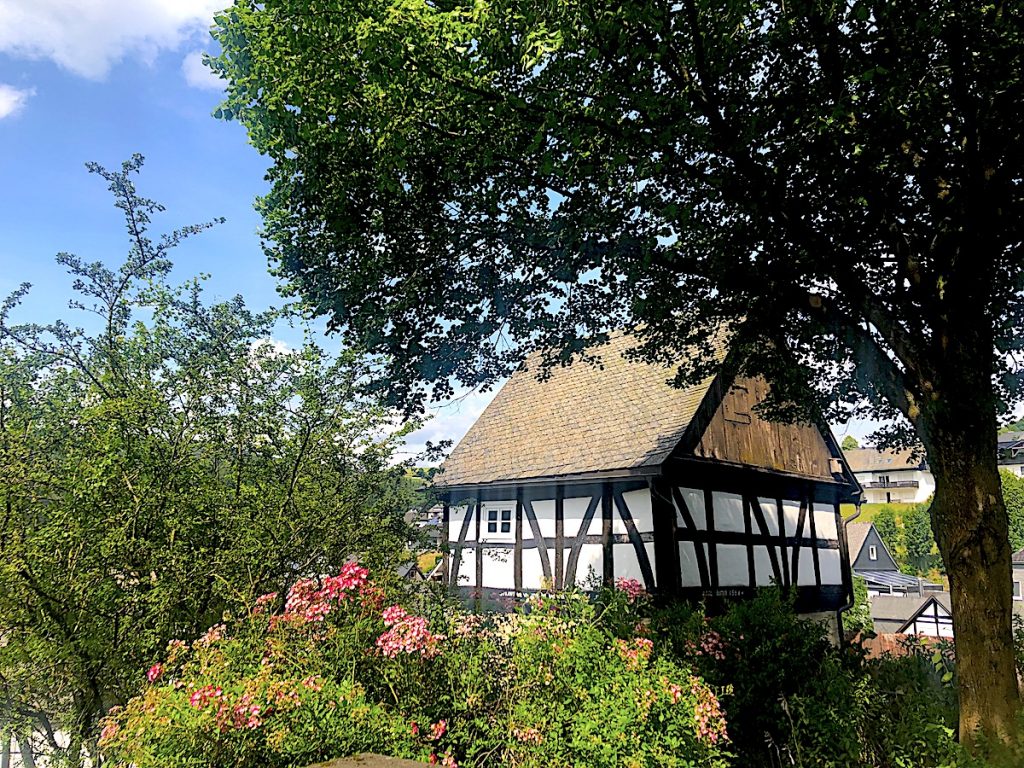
x: 893, y: 484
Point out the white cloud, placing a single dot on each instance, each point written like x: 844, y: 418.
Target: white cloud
x: 13, y: 99
x: 87, y: 37
x: 198, y: 75
x: 450, y: 421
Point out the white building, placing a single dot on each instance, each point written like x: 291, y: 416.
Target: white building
x: 891, y: 476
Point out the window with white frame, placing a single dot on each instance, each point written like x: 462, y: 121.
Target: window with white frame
x: 497, y: 521
x: 872, y: 552
x: 1017, y: 590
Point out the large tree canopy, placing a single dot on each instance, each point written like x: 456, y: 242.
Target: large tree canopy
x: 457, y: 183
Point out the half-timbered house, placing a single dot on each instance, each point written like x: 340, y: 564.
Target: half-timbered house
x: 607, y: 472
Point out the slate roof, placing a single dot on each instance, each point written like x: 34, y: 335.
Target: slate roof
x: 855, y: 535
x: 891, y: 613
x: 1018, y: 557
x: 584, y: 419
x: 874, y: 460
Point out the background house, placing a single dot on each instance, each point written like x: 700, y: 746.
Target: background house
x: 872, y: 561
x: 891, y: 476
x: 1011, y: 452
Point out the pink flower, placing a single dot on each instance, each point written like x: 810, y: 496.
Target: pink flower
x: 312, y: 683
x: 213, y: 635
x: 407, y: 634
x: 155, y: 673
x: 203, y: 696
x: 109, y: 732
x: 263, y: 601
x: 633, y: 589
x: 414, y: 728
x: 635, y: 653
x: 528, y: 735
x: 310, y: 600
x: 438, y: 729
x: 708, y: 716
x: 393, y: 614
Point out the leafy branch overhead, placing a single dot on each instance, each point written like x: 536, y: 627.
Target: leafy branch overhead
x: 836, y: 185
x: 457, y: 183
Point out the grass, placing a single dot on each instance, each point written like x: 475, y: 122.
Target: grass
x: 868, y: 511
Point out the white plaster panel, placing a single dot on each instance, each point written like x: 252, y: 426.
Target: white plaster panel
x: 694, y: 498
x: 499, y: 568
x: 627, y: 565
x: 467, y: 569
x: 545, y: 513
x: 831, y: 566
x: 825, y: 521
x: 455, y: 517
x: 763, y: 573
x: 597, y: 524
x: 689, y: 572
x: 591, y: 559
x: 728, y: 512
x: 573, y: 511
x: 805, y: 568
x: 791, y: 515
x: 533, y: 571
x: 732, y: 565
x: 639, y: 503
x: 770, y: 508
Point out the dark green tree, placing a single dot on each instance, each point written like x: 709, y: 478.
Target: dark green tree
x: 160, y: 466
x: 858, y: 619
x: 838, y: 185
x: 918, y: 539
x: 1013, y: 497
x: 889, y: 531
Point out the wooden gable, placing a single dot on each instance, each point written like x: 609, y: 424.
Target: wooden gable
x: 733, y: 432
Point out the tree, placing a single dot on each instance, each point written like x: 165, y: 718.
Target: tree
x: 1013, y: 498
x: 918, y: 540
x: 838, y: 185
x: 858, y: 619
x: 163, y: 467
x: 1016, y: 426
x: 888, y: 530
x: 850, y: 443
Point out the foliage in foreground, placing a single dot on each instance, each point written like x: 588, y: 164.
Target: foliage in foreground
x: 160, y: 465
x: 343, y: 669
x: 347, y: 667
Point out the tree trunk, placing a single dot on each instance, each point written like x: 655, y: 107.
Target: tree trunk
x: 970, y: 524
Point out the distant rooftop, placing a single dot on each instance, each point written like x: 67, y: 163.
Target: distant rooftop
x: 875, y: 460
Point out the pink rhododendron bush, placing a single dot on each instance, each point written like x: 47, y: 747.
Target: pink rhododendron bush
x: 340, y: 666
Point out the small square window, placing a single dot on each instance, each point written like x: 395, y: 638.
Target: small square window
x: 499, y: 521
x: 872, y: 552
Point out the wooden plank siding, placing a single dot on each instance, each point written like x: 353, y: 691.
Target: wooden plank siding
x: 736, y: 434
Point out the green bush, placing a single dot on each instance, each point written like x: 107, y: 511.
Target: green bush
x: 346, y: 667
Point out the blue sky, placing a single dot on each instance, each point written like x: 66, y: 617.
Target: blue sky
x: 98, y: 80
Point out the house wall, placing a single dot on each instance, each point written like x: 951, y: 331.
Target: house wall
x: 883, y: 560
x: 1018, y: 582
x: 924, y: 489
x: 721, y: 538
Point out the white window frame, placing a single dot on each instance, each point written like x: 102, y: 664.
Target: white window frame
x: 872, y: 552
x: 501, y: 516
x: 1018, y: 590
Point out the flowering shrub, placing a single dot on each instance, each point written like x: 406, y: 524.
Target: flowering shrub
x: 344, y: 667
